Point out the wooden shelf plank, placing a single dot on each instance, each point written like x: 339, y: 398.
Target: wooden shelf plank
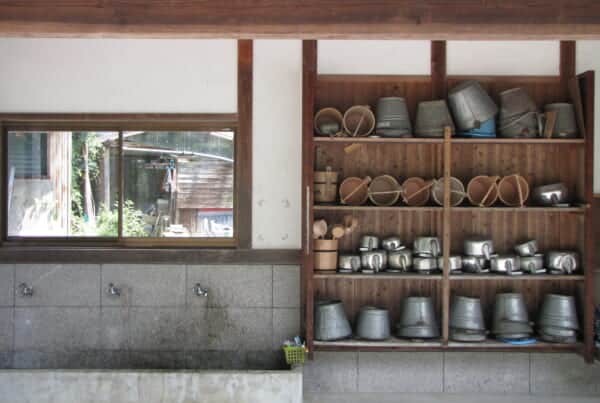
x: 422, y: 140
x: 530, y: 277
x: 385, y: 345
x: 375, y: 208
x: 379, y: 276
x: 396, y: 344
x: 500, y: 209
x: 376, y: 140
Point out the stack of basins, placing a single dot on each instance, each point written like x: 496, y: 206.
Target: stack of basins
x: 519, y: 116
x: 417, y: 319
x: 393, y: 119
x: 558, y: 320
x: 466, y: 320
x: 511, y: 320
x: 473, y: 109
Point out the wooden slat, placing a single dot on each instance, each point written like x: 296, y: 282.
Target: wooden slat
x: 568, y: 52
x: 285, y: 18
x: 243, y: 175
x: 446, y: 239
x: 438, y: 70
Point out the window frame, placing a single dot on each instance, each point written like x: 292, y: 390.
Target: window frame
x: 121, y: 123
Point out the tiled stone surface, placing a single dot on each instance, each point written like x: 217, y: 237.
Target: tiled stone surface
x: 466, y: 372
x: 239, y: 329
x: 286, y: 325
x: 158, y: 329
x: 197, y: 330
x: 156, y: 359
x: 145, y: 285
x: 331, y: 372
x: 59, y: 285
x: 6, y: 359
x: 563, y: 374
x: 88, y: 359
x: 400, y: 372
x: 286, y: 286
x: 57, y: 329
x: 232, y: 286
x: 7, y: 284
x: 114, y: 328
x: 6, y: 329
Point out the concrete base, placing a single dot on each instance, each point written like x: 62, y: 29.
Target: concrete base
x: 43, y: 386
x: 440, y: 397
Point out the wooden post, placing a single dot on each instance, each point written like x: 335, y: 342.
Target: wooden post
x: 309, y: 83
x: 446, y: 236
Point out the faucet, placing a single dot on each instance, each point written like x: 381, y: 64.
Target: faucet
x: 26, y: 290
x: 113, y: 290
x: 199, y: 291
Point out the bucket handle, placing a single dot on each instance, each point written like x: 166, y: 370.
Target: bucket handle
x: 364, y: 183
x: 489, y: 192
x: 519, y: 190
x: 407, y: 198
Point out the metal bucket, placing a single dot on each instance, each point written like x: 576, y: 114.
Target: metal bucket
x: 418, y: 319
x: 466, y: 314
x: 510, y: 316
x: 467, y: 336
x: 559, y: 311
x: 518, y: 116
x: 550, y: 195
x: 427, y: 246
x: 331, y: 322
x: 471, y: 105
x: 373, y: 323
x: 566, y: 125
x: 400, y: 260
x: 393, y: 119
x: 432, y: 118
x: 564, y: 262
x: 533, y: 264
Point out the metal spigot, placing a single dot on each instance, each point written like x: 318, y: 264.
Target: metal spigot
x: 199, y: 291
x: 26, y: 290
x: 113, y: 290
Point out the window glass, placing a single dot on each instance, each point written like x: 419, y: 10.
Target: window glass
x: 178, y: 184
x: 62, y: 184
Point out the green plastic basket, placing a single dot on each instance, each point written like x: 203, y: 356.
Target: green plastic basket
x: 294, y: 354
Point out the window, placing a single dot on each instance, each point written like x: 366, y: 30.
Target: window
x: 121, y: 183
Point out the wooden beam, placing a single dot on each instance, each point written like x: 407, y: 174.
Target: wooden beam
x: 431, y: 19
x: 439, y: 87
x: 96, y: 255
x: 567, y: 63
x: 243, y: 179
x: 309, y: 87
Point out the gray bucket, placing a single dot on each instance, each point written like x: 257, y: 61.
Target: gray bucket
x: 373, y: 323
x: 471, y: 105
x: 417, y: 319
x: 559, y: 311
x: 515, y: 102
x: 467, y: 336
x: 557, y: 335
x: 510, y: 315
x: 331, y: 322
x: 393, y: 119
x: 566, y: 125
x: 525, y: 126
x: 432, y: 118
x: 466, y: 314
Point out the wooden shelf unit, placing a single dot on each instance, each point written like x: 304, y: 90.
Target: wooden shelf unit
x: 540, y: 161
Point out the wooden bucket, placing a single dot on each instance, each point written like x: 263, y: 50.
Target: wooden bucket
x: 416, y: 191
x: 326, y: 254
x: 513, y: 190
x: 482, y: 190
x: 329, y: 122
x: 354, y: 191
x: 384, y: 190
x: 325, y: 186
x: 457, y: 191
x: 359, y: 121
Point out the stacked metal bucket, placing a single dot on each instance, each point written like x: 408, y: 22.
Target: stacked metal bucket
x: 473, y: 109
x: 511, y: 320
x: 418, y: 319
x: 466, y: 320
x: 558, y: 320
x: 519, y: 116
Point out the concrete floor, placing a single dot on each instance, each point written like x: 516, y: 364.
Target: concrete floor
x: 442, y: 397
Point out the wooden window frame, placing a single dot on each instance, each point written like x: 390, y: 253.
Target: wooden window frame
x: 121, y: 123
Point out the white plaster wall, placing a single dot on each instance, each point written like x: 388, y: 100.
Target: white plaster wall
x: 118, y: 75
x: 588, y: 58
x: 277, y: 136
x: 503, y: 57
x: 373, y: 57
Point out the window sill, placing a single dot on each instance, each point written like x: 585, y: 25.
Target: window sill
x: 53, y: 254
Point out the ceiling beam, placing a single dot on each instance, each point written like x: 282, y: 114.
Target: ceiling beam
x: 308, y: 19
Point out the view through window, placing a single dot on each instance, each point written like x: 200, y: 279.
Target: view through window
x: 68, y: 184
